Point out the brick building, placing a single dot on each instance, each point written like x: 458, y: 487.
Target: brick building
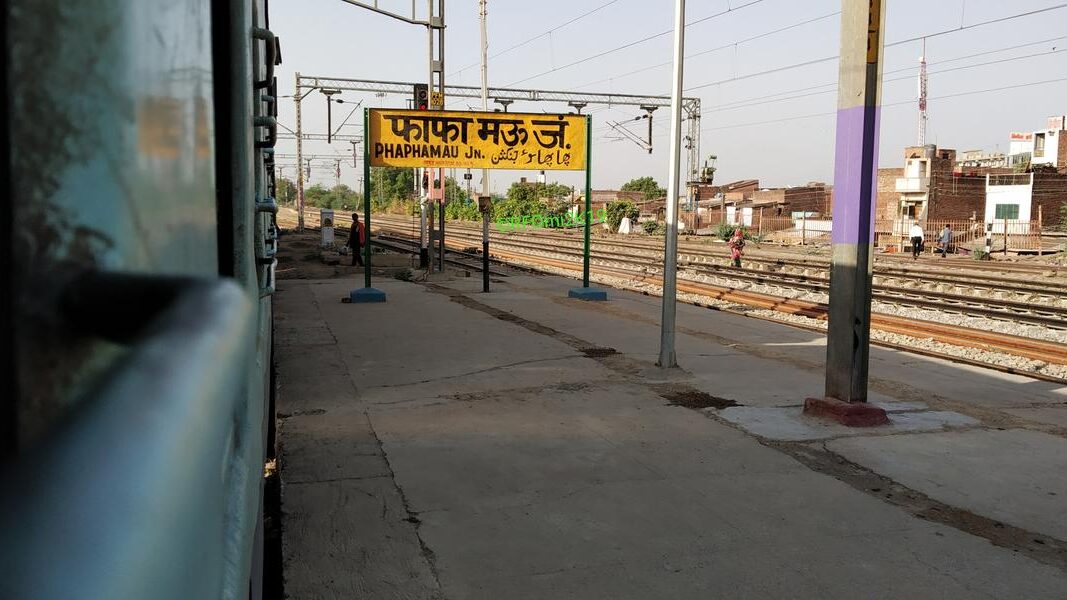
x: 887, y: 204
x: 601, y: 198
x: 1050, y: 199
x: 814, y: 199
x: 928, y: 189
x: 737, y: 191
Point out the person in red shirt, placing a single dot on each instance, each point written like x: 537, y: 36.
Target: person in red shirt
x: 357, y: 236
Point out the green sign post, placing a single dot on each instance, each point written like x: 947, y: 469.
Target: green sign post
x: 367, y: 293
x: 585, y: 292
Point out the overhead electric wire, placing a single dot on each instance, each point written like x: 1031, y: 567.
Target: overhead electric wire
x: 742, y: 105
x: 884, y: 105
x: 888, y: 105
x: 762, y: 99
x: 888, y: 45
x: 633, y: 43
x: 716, y: 49
x: 539, y: 36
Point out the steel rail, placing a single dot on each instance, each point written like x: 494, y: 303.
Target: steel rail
x: 998, y: 309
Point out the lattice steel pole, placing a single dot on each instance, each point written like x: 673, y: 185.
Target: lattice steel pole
x: 299, y: 161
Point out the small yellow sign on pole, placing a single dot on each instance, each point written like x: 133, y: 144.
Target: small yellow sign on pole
x: 437, y: 100
x: 477, y: 140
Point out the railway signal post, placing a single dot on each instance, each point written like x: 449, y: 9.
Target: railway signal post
x: 855, y: 165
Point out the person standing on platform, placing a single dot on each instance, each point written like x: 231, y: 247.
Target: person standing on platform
x: 916, y: 240
x: 356, y: 238
x: 945, y: 240
x: 737, y: 245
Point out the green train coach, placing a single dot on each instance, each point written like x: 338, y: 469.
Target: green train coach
x: 139, y: 239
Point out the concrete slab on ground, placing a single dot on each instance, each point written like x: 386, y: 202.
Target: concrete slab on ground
x: 638, y: 336
x: 1015, y: 476
x: 1051, y: 415
x: 790, y: 424
x: 432, y: 450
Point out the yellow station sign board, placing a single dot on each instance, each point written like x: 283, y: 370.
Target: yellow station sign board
x: 476, y: 140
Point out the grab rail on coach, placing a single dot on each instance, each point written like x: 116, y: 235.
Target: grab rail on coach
x: 150, y: 488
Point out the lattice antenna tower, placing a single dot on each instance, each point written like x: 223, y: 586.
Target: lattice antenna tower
x: 922, y: 96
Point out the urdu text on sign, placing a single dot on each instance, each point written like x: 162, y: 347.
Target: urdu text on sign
x: 527, y: 141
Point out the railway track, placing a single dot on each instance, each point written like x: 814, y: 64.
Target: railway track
x: 515, y: 253
x: 966, y: 272
x: 1038, y: 350
x: 1012, y: 311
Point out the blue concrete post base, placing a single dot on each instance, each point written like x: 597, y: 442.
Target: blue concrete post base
x: 584, y: 293
x: 366, y: 294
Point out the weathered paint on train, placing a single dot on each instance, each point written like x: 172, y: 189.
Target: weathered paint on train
x: 138, y: 273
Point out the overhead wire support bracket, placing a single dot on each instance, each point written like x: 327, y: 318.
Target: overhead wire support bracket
x: 690, y: 105
x: 374, y: 7
x: 629, y: 135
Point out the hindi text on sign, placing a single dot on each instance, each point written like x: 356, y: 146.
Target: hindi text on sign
x: 407, y: 138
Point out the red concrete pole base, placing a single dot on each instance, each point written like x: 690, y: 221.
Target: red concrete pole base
x: 850, y: 414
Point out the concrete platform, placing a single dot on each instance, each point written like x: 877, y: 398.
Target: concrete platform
x: 521, y: 444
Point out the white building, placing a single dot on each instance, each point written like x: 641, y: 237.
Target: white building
x: 1009, y: 201
x: 1046, y: 146
x: 914, y: 186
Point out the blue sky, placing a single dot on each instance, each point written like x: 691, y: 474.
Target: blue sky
x: 776, y: 127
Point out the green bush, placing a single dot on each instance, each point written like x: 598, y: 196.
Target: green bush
x: 979, y: 254
x: 650, y: 227
x: 726, y: 231
x: 462, y: 210
x: 518, y: 207
x: 619, y: 210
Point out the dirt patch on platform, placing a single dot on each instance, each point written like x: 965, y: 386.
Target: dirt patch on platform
x: 299, y: 257
x: 695, y: 399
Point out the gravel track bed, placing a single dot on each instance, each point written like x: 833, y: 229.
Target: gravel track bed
x: 948, y: 318
x: 994, y: 358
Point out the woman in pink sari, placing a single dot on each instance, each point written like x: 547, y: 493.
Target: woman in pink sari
x: 737, y: 245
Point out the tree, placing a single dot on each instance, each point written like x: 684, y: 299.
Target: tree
x: 286, y: 191
x: 391, y: 183
x: 316, y: 195
x: 339, y: 197
x: 646, y: 185
x: 453, y: 191
x: 618, y: 210
x: 525, y: 198
x: 460, y: 206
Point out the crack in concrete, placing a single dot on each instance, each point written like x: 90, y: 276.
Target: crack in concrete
x: 335, y: 479
x: 478, y: 372
x: 412, y: 517
x: 1042, y: 548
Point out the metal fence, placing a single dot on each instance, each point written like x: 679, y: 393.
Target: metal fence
x: 890, y: 235
x: 1005, y: 235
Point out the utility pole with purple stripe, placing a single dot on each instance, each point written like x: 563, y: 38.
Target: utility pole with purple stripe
x: 855, y: 169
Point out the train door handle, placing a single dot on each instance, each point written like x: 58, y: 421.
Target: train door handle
x: 272, y: 131
x: 271, y: 44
